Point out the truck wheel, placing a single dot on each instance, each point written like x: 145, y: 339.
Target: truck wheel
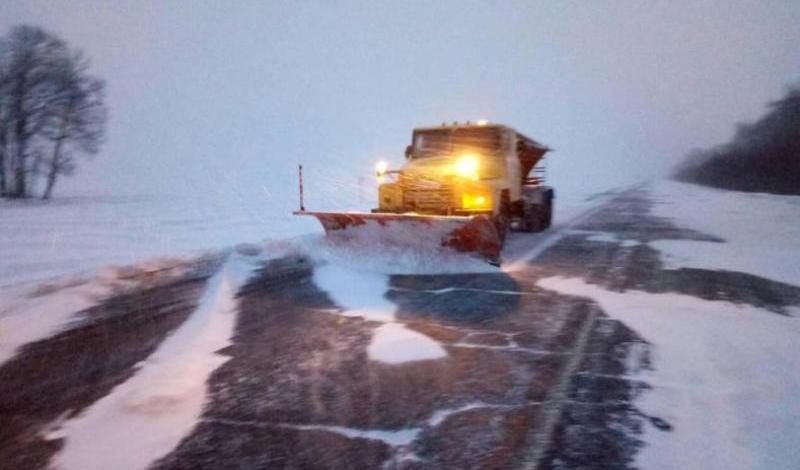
x: 548, y: 209
x: 547, y: 216
x: 532, y: 218
x: 501, y: 223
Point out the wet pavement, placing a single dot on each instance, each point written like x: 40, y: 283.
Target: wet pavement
x: 531, y: 378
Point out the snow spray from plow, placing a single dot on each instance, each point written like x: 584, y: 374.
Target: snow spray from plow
x: 476, y: 234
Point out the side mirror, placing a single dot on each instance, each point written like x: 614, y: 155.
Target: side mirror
x: 409, y: 151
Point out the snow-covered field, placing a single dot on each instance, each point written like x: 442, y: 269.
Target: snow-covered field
x: 762, y: 231
x: 82, y: 234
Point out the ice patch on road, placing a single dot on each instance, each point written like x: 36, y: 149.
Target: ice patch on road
x: 145, y: 417
x: 363, y: 294
x: 402, y: 437
x: 449, y: 290
x: 393, y: 343
x: 603, y: 237
x: 440, y: 416
x: 761, y: 231
x: 400, y: 440
x: 726, y: 376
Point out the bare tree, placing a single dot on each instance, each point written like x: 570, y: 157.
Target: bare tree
x: 77, y: 117
x: 32, y: 56
x: 51, y: 109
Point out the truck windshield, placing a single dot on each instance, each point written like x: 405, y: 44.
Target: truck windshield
x: 436, y: 142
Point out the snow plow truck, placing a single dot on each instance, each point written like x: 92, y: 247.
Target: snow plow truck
x: 465, y: 184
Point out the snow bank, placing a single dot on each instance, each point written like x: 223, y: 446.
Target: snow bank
x: 36, y: 311
x: 725, y: 376
x: 762, y: 231
x: 145, y: 417
x: 25, y: 318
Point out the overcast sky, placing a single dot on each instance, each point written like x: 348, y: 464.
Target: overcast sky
x: 235, y: 94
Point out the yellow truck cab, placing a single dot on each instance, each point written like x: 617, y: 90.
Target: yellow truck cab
x: 469, y: 169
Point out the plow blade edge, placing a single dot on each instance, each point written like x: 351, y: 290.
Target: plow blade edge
x: 475, y: 234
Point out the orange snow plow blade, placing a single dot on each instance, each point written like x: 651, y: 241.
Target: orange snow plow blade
x: 469, y: 234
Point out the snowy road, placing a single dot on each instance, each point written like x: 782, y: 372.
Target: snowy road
x: 608, y: 342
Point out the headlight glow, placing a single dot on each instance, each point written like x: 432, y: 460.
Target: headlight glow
x: 381, y: 168
x: 467, y: 166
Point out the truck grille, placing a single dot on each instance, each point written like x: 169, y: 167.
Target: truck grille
x: 426, y: 195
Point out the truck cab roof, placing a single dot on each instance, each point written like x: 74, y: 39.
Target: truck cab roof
x: 484, y: 125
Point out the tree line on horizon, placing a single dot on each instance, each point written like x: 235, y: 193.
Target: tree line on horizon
x: 51, y: 111
x: 763, y: 156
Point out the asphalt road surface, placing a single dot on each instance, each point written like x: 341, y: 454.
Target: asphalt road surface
x: 531, y: 378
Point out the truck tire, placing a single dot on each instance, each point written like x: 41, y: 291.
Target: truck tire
x: 547, y: 219
x: 532, y: 218
x: 502, y: 222
x: 537, y: 209
x: 502, y: 219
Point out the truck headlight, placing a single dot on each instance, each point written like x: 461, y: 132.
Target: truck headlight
x: 467, y: 166
x: 380, y: 169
